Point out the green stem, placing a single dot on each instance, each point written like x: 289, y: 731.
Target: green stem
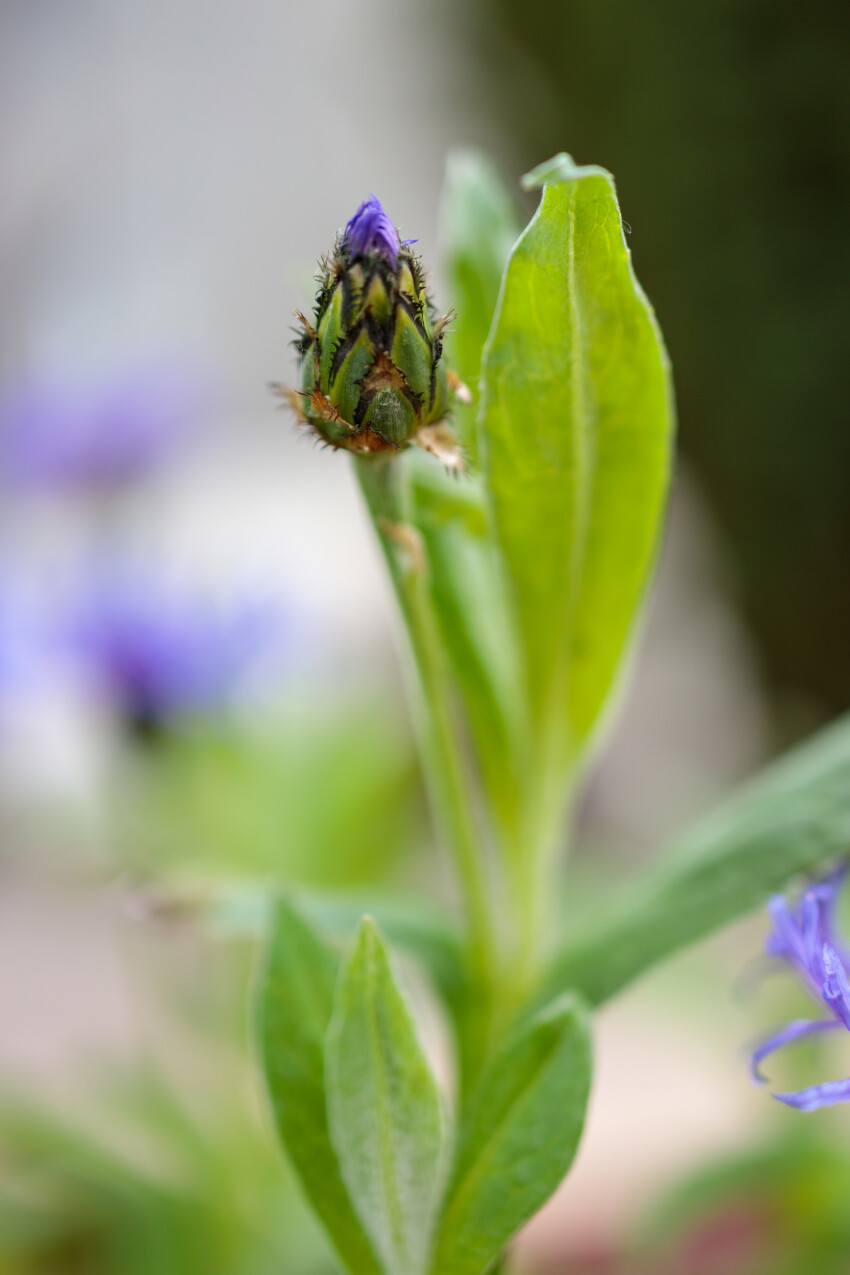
x: 383, y: 484
x: 529, y: 855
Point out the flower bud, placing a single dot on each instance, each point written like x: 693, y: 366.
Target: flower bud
x: 372, y: 378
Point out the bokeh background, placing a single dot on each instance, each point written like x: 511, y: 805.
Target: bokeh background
x: 199, y: 686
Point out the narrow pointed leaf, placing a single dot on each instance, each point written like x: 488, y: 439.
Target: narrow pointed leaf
x: 518, y: 1138
x: 794, y: 818
x: 385, y: 1111
x: 295, y: 1003
x: 576, y: 431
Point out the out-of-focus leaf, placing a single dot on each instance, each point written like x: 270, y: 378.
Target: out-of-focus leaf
x: 478, y: 227
x: 467, y: 589
x: 800, y: 1183
x: 576, y: 431
x: 793, y: 818
x: 518, y: 1137
x: 128, y: 1177
x: 384, y: 1109
x: 295, y: 1004
x: 226, y: 800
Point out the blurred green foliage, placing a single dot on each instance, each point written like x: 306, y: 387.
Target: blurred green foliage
x: 144, y: 1187
x: 778, y: 1210
x: 727, y: 123
x: 327, y: 794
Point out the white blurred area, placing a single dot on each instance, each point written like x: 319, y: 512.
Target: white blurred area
x: 170, y: 170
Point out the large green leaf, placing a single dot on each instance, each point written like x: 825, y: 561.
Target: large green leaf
x: 296, y: 1000
x: 384, y: 1107
x: 793, y: 818
x: 518, y: 1137
x: 576, y: 432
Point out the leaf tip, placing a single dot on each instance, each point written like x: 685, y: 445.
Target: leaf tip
x: 561, y: 168
x: 368, y: 939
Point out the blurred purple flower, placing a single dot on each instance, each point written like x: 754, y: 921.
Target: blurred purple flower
x: 16, y: 641
x: 370, y: 230
x: 805, y: 936
x: 28, y: 656
x: 97, y: 431
x: 159, y: 653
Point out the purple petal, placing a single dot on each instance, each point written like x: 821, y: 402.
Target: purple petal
x: 811, y: 916
x: 370, y: 230
x: 159, y: 652
x: 816, y: 1096
x: 827, y: 892
x: 794, y: 1031
x: 836, y: 989
x: 785, y: 939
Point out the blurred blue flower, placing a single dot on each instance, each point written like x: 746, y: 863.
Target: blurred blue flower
x: 24, y: 639
x: 159, y: 652
x: 805, y: 936
x: 96, y: 431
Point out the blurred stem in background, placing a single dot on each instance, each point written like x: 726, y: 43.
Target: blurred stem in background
x: 728, y: 126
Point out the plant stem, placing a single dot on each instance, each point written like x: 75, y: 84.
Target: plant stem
x: 529, y: 856
x: 382, y: 481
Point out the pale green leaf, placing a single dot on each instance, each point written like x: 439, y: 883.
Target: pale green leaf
x: 384, y: 1108
x: 794, y: 818
x: 576, y: 433
x: 518, y: 1137
x: 295, y: 1003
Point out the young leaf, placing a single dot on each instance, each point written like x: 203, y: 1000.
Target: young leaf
x: 793, y: 818
x: 385, y: 1111
x: 296, y: 999
x: 518, y: 1137
x: 576, y: 431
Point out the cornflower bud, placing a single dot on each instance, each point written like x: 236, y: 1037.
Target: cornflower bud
x: 372, y: 374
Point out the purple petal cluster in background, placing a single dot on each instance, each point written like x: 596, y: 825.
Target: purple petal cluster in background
x: 159, y: 652
x: 31, y: 683
x: 22, y: 639
x: 97, y: 430
x: 370, y: 230
x: 805, y: 936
